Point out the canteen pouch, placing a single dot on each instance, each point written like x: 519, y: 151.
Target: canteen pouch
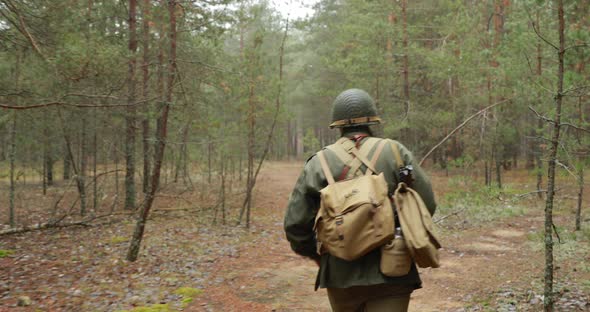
x: 395, y: 258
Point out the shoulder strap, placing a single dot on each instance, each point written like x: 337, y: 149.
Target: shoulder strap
x: 376, y: 155
x: 365, y: 150
x: 340, y: 151
x: 362, y: 158
x: 398, y: 158
x: 368, y: 145
x: 325, y: 168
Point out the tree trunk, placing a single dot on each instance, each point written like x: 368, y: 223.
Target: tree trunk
x: 580, y: 197
x: 251, y: 129
x: 252, y: 175
x: 223, y: 175
x: 161, y: 138
x: 12, y: 156
x: 539, y: 130
x: 145, y: 123
x: 548, y: 301
x: 405, y: 68
x: 83, y: 162
x: 209, y: 158
x: 116, y: 199
x: 498, y: 172
x: 47, y: 159
x: 43, y: 174
x: 67, y: 162
x: 95, y: 165
x: 130, y: 118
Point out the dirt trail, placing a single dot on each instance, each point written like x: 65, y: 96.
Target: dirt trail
x: 268, y: 276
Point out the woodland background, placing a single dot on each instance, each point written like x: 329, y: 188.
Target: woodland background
x: 109, y: 106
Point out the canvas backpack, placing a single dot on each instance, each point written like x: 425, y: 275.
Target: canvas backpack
x: 416, y: 222
x: 355, y: 214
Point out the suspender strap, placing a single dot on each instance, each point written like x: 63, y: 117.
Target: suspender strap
x: 362, y: 158
x: 396, y: 154
x: 325, y: 168
x: 378, y: 152
x: 365, y: 149
x: 343, y: 148
x: 376, y: 155
x: 341, y: 152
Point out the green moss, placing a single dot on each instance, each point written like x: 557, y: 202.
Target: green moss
x: 186, y: 302
x: 152, y: 308
x: 188, y: 292
x: 5, y: 253
x: 118, y: 239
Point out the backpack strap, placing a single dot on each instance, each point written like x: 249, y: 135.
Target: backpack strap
x: 365, y: 149
x: 364, y: 159
x: 398, y: 158
x: 341, y: 149
x: 345, y: 157
x: 325, y: 168
x: 378, y: 152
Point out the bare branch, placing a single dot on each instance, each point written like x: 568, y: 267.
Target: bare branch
x: 574, y: 89
x: 543, y: 38
x: 449, y: 215
x: 556, y: 233
x: 58, y: 224
x: 98, y: 96
x: 23, y: 28
x: 575, y: 46
x: 461, y: 126
x: 564, y: 166
x: 567, y: 124
x: 530, y: 193
x: 541, y: 116
x: 532, y: 80
x: 60, y: 103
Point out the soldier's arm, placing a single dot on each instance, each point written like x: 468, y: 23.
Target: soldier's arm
x: 301, y: 211
x: 421, y: 182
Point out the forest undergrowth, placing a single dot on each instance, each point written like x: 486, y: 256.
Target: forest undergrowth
x: 492, y: 256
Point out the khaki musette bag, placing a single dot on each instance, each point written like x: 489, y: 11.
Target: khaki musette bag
x: 355, y: 215
x: 416, y: 222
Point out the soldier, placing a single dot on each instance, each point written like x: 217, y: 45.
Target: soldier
x: 355, y: 285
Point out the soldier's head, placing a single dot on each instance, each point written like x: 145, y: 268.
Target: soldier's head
x: 354, y: 109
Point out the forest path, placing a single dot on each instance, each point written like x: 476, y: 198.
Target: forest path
x: 479, y: 262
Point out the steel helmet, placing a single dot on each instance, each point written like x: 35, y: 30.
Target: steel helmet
x: 354, y: 107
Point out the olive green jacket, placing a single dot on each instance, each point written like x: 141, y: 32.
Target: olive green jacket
x: 303, y: 206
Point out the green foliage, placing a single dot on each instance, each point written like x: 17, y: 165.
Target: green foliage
x: 118, y: 239
x: 5, y: 253
x: 479, y: 204
x: 311, y: 144
x: 188, y: 292
x: 465, y: 161
x: 151, y: 308
x: 572, y: 245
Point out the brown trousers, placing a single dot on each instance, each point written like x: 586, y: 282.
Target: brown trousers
x: 374, y: 298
